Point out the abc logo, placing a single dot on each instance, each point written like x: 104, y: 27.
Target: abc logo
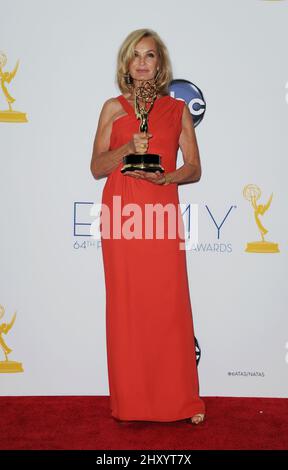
x: 192, y: 95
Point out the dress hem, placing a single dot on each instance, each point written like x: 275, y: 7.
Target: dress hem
x: 157, y: 419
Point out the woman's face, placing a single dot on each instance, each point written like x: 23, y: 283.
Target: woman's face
x: 144, y: 64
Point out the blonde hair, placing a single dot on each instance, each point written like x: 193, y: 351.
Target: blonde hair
x: 126, y: 54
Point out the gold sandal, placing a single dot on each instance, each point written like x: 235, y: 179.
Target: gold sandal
x: 199, y: 418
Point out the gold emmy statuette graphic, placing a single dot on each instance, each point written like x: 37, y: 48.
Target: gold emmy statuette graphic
x: 252, y: 193
x: 147, y: 92
x: 9, y: 115
x: 7, y: 366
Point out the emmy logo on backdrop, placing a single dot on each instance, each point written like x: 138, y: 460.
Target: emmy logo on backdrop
x: 252, y: 193
x: 7, y: 366
x: 9, y: 115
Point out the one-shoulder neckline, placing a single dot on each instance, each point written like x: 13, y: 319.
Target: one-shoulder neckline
x: 130, y: 108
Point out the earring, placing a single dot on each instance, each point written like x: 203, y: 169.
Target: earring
x: 128, y: 78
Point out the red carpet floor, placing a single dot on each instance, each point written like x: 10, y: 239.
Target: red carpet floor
x: 67, y: 422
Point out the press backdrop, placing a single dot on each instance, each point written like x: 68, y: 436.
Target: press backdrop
x: 235, y: 53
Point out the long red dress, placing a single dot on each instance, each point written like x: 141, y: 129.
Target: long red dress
x: 151, y: 355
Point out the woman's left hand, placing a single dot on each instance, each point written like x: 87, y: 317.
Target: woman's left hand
x: 155, y: 177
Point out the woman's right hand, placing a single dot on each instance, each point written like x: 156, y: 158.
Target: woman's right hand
x: 139, y: 142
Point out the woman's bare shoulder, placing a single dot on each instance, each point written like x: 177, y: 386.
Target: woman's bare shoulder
x: 111, y: 103
x: 110, y: 107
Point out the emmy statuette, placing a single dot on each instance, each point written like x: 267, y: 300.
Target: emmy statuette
x: 151, y: 162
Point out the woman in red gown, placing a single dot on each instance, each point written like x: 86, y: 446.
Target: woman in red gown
x: 151, y: 354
